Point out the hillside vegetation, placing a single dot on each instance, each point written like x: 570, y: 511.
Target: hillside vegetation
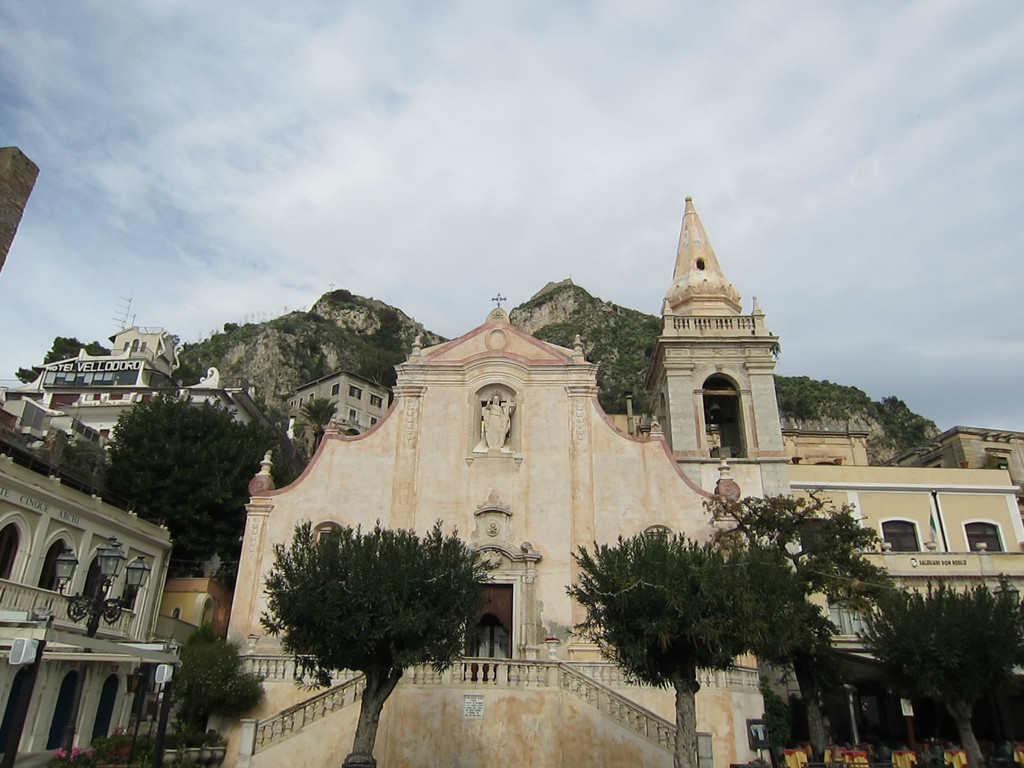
x: 892, y: 427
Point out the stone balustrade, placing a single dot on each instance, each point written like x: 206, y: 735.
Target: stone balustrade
x: 45, y: 602
x: 290, y: 721
x: 272, y: 668
x: 710, y: 325
x: 620, y: 709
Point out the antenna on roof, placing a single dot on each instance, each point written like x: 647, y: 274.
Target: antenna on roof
x: 124, y: 317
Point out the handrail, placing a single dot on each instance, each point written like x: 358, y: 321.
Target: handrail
x: 290, y: 721
x: 626, y: 713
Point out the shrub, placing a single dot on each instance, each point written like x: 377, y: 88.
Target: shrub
x: 115, y: 749
x: 77, y: 758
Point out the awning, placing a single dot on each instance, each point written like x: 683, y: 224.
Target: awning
x: 64, y: 645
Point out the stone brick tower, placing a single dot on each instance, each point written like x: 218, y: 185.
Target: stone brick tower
x: 712, y: 374
x: 17, y: 177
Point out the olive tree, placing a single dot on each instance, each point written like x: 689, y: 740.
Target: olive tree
x: 373, y: 601
x: 662, y: 606
x: 821, y: 547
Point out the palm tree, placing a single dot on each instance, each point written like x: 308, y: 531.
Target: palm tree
x: 315, y: 415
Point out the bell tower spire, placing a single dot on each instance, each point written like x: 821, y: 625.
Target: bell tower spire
x: 698, y: 285
x: 712, y: 372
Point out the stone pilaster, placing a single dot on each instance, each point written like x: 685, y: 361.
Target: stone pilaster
x: 403, y: 492
x: 245, y: 618
x: 581, y: 478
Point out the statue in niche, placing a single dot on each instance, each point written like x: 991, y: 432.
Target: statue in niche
x: 495, y: 424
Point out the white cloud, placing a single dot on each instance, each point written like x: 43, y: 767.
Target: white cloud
x: 857, y: 168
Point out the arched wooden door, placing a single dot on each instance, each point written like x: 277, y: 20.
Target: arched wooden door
x: 492, y: 638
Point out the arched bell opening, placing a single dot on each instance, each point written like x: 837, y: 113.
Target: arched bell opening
x: 723, y: 420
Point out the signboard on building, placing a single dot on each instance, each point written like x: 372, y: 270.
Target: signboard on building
x: 74, y: 373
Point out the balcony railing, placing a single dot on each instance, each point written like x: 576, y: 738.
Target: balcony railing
x: 44, y: 602
x: 712, y: 325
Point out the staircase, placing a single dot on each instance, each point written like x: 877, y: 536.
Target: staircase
x: 590, y: 683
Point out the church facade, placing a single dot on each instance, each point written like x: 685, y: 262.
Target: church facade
x: 501, y: 437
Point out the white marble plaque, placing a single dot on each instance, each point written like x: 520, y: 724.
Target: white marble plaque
x: 473, y: 706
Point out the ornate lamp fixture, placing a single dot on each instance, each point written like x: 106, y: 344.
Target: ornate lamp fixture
x: 97, y: 605
x: 1007, y: 589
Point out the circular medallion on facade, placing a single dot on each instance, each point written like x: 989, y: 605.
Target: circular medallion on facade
x: 496, y: 340
x: 493, y: 529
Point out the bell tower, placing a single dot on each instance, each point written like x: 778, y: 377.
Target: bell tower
x: 713, y: 374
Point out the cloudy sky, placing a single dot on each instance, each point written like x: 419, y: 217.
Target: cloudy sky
x: 859, y: 168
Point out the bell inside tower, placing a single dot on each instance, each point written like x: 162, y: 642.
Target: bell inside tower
x: 722, y: 418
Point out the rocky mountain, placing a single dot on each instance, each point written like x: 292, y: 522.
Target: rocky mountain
x: 369, y: 337
x: 341, y: 330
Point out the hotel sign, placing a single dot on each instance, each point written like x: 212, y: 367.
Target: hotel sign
x: 95, y: 366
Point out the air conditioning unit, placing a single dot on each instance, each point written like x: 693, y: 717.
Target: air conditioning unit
x: 164, y: 673
x: 23, y: 651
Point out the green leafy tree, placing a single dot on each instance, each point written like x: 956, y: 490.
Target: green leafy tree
x: 662, y: 607
x: 63, y: 348
x: 376, y: 602
x: 950, y: 646
x: 211, y: 681
x: 821, y: 547
x: 314, y: 417
x: 776, y: 717
x: 188, y: 467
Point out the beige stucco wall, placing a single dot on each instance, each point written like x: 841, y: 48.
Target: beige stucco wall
x: 569, y: 478
x: 953, y: 497
x: 892, y: 476
x: 425, y: 728
x: 826, y: 447
x: 958, y: 509
x: 881, y: 507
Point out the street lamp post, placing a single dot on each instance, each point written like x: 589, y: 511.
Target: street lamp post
x: 97, y: 605
x: 1006, y: 589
